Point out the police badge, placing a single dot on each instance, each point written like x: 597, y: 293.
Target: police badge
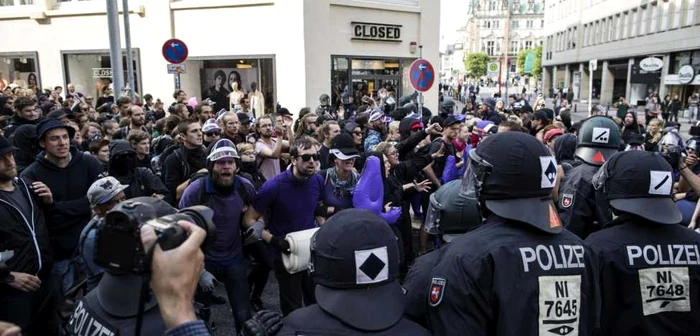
x: 567, y: 200
x: 437, y: 290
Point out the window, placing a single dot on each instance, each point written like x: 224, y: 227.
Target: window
x: 635, y: 19
x: 489, y: 48
x: 542, y: 24
x: 514, y: 24
x: 625, y: 27
x: 677, y: 13
x: 574, y: 38
x: 690, y: 13
x: 528, y: 44
x: 495, y: 24
x: 498, y: 48
x: 7, y: 3
x: 664, y: 16
x: 644, y: 21
x: 487, y: 24
x: 611, y: 29
x: 618, y: 26
x: 585, y: 35
x: 514, y: 47
x: 603, y: 31
x: 529, y: 24
x: 492, y: 5
x: 653, y: 23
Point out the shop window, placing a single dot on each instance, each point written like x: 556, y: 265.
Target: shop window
x: 217, y: 78
x: 92, y: 71
x: 678, y: 60
x: 8, y: 3
x: 20, y: 69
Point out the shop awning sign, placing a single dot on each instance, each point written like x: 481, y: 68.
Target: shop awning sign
x: 686, y: 74
x: 382, y: 32
x: 101, y: 72
x: 422, y: 75
x: 175, y: 51
x: 651, y: 64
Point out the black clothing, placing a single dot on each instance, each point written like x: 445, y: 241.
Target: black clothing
x: 416, y: 285
x: 24, y: 138
x: 506, y: 278
x: 325, y: 158
x: 251, y: 172
x: 102, y: 100
x: 313, y: 320
x: 69, y: 187
x: 649, y: 278
x: 439, y: 163
x: 580, y: 209
x: 182, y: 164
x: 15, y: 122
x: 89, y: 318
x: 141, y: 181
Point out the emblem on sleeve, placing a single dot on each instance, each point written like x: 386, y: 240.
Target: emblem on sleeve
x: 437, y: 290
x: 567, y: 200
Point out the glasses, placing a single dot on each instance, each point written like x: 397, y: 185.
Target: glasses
x: 357, y: 132
x: 308, y: 157
x: 394, y: 153
x: 211, y: 134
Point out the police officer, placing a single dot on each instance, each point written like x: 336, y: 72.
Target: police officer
x: 649, y: 265
x: 112, y: 307
x: 451, y: 214
x: 355, y: 265
x: 519, y: 273
x: 579, y: 207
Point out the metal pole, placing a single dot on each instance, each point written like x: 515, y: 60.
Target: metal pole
x: 590, y: 89
x: 129, y: 56
x: 115, y: 52
x: 506, y: 48
x: 420, y: 94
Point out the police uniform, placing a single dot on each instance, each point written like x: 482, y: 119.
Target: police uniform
x: 649, y: 265
x: 580, y: 209
x: 355, y: 265
x: 518, y: 273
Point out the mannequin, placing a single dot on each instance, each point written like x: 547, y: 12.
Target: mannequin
x: 19, y: 81
x: 3, y: 82
x: 235, y: 97
x: 257, y: 100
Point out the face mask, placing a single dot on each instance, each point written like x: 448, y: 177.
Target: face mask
x: 249, y: 166
x: 123, y: 164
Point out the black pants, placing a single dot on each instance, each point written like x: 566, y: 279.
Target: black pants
x: 260, y: 272
x: 296, y: 290
x: 406, y: 229
x: 35, y: 313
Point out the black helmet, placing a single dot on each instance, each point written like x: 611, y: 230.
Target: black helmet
x: 512, y: 175
x: 598, y: 139
x: 454, y: 213
x: 640, y: 183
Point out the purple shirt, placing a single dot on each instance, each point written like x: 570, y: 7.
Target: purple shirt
x: 288, y: 202
x: 227, y: 215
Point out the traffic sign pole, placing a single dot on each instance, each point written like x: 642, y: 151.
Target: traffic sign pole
x: 175, y: 51
x: 420, y: 94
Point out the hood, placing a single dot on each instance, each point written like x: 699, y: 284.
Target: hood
x: 3, y: 109
x: 24, y: 138
x: 119, y: 147
x: 564, y: 147
x: 76, y: 156
x: 405, y: 127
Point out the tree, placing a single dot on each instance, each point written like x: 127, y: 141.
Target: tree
x: 537, y: 68
x: 475, y: 63
x: 521, y: 61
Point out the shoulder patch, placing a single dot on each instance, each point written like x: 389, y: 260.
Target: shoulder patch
x: 437, y: 291
x: 567, y: 200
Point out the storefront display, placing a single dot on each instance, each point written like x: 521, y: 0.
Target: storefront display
x: 365, y: 76
x: 90, y: 71
x: 21, y: 69
x: 228, y: 82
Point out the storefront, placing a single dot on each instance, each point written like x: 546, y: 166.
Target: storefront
x: 20, y: 68
x: 682, y: 79
x: 368, y: 75
x: 91, y: 70
x: 645, y: 77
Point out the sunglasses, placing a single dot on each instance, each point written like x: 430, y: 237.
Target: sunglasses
x: 308, y: 157
x: 211, y: 134
x: 357, y: 133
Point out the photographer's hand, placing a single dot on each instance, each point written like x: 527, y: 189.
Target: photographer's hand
x: 175, y: 274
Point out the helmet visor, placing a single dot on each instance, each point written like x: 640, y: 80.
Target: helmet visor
x: 474, y: 175
x: 432, y: 217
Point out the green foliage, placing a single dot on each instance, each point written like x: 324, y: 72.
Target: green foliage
x: 475, y: 63
x: 521, y: 60
x: 537, y: 69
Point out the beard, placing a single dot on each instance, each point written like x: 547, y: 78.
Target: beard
x: 222, y: 181
x: 8, y: 175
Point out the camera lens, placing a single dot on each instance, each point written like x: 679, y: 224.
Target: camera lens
x: 199, y: 215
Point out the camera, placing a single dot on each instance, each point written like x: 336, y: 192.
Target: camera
x: 673, y: 155
x: 118, y: 244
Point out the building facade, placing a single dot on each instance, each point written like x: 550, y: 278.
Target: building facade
x: 641, y: 47
x: 294, y: 50
x: 502, y: 28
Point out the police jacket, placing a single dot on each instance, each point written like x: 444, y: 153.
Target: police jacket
x: 312, y: 321
x: 506, y: 278
x: 580, y: 211
x: 416, y: 287
x: 25, y: 234
x: 89, y: 318
x: 649, y: 278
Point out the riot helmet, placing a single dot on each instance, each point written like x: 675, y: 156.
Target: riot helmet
x: 598, y: 139
x: 512, y: 175
x: 450, y: 212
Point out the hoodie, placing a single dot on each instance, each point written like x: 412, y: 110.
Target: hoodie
x: 15, y: 122
x: 69, y: 187
x: 564, y: 148
x: 4, y: 110
x: 141, y: 181
x: 24, y: 138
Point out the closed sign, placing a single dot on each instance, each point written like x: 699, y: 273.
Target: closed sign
x: 376, y: 32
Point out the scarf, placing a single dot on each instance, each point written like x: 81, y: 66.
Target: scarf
x: 342, y: 188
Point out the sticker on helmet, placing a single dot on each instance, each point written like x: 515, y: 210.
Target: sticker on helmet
x: 567, y: 200
x: 437, y: 290
x: 559, y: 304
x: 549, y: 171
x: 601, y: 135
x: 660, y: 182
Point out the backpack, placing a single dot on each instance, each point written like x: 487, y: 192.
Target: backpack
x: 238, y: 185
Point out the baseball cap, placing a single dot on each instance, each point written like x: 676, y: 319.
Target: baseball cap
x: 355, y: 259
x: 376, y: 114
x: 343, y: 147
x: 521, y: 175
x: 551, y: 134
x: 48, y: 124
x: 243, y: 118
x: 600, y: 108
x: 223, y: 148
x: 283, y: 111
x: 640, y: 183
x: 103, y: 190
x: 449, y: 121
x: 210, y: 126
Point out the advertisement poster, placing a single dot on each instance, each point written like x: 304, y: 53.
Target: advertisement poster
x: 216, y: 83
